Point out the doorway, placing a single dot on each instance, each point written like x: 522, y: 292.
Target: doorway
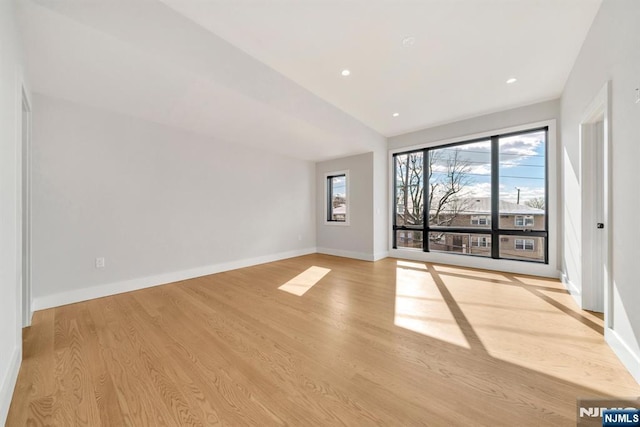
x: 595, y: 131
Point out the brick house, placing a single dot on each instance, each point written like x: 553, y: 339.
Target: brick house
x: 476, y: 213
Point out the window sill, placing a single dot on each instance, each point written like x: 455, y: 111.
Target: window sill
x: 337, y: 223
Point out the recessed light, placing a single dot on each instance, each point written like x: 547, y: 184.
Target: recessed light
x: 408, y: 41
x: 395, y: 114
x: 512, y: 80
x: 345, y: 72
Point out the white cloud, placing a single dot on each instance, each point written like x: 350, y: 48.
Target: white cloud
x: 483, y: 189
x: 522, y: 145
x: 477, y: 146
x: 484, y: 169
x: 526, y: 193
x: 480, y: 189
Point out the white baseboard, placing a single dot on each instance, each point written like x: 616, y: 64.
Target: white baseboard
x: 77, y: 295
x: 380, y: 255
x: 503, y: 265
x: 628, y: 357
x: 572, y: 288
x: 347, y: 254
x: 9, y: 383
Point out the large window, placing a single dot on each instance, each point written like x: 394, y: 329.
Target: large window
x: 486, y: 197
x: 337, y: 201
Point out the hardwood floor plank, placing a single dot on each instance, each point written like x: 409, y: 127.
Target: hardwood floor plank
x: 390, y: 342
x: 33, y: 401
x: 228, y: 383
x: 138, y: 399
x: 257, y: 363
x: 75, y: 387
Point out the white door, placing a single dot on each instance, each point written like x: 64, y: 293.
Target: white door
x: 599, y: 240
x: 595, y: 131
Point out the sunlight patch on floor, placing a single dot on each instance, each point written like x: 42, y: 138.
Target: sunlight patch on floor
x: 525, y: 321
x: 421, y: 308
x: 476, y: 274
x: 416, y: 265
x: 304, y: 281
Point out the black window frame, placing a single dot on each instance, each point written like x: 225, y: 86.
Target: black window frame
x: 493, y: 229
x: 329, y: 183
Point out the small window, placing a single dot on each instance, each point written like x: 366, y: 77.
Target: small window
x: 337, y: 199
x: 481, y: 242
x: 524, y: 244
x: 524, y: 221
x: 480, y: 220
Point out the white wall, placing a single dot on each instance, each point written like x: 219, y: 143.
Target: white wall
x: 355, y: 240
x: 544, y: 112
x: 610, y: 53
x: 159, y: 204
x: 490, y: 122
x: 102, y: 56
x: 380, y: 203
x: 10, y: 136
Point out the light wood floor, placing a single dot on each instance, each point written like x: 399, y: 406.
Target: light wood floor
x: 385, y: 343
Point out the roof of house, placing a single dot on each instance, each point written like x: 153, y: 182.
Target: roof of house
x: 340, y: 210
x: 482, y: 205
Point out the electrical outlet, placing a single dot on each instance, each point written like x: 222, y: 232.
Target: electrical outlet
x: 100, y: 262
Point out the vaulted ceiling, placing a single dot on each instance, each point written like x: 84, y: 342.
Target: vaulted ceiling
x: 267, y: 73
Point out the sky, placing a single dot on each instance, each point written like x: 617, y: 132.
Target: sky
x: 522, y: 166
x: 339, y: 183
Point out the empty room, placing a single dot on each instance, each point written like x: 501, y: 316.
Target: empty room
x: 319, y: 213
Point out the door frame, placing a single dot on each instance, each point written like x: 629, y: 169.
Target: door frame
x: 596, y: 294
x: 24, y: 206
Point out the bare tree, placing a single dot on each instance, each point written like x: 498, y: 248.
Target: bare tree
x: 447, y: 192
x: 448, y: 177
x: 536, y: 202
x: 411, y: 190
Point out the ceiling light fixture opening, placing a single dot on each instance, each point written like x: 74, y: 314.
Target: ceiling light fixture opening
x: 345, y: 73
x: 395, y: 114
x: 512, y: 80
x: 408, y: 41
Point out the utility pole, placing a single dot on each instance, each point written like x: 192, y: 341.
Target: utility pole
x: 518, y: 202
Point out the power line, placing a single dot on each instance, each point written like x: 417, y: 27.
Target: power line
x: 489, y: 175
x: 488, y: 152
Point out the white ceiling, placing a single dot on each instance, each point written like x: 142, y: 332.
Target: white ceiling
x: 464, y: 51
x: 200, y: 65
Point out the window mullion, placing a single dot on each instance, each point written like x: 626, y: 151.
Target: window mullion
x: 395, y: 202
x: 425, y: 201
x: 495, y: 197
x: 329, y: 198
